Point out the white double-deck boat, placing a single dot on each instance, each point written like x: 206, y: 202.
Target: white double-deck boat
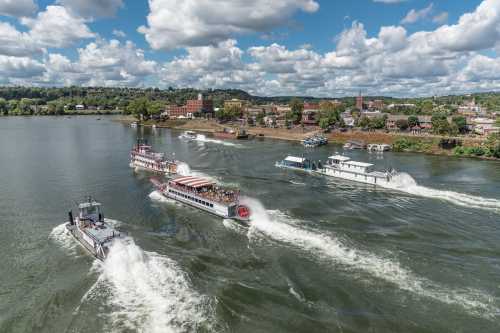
x: 90, y: 229
x: 143, y: 157
x: 340, y: 166
x: 206, y: 195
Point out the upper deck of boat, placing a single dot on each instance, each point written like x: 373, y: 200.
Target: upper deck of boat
x: 206, y: 189
x: 101, y: 231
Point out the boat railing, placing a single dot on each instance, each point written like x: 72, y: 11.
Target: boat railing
x: 218, y: 195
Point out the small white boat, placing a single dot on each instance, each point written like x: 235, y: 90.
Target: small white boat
x: 206, y: 195
x: 90, y: 229
x: 133, y: 125
x: 343, y: 167
x: 189, y: 135
x: 296, y: 163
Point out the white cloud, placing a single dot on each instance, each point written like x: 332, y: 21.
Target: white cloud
x: 417, y: 15
x: 20, y: 67
x: 16, y: 43
x: 17, y: 8
x: 93, y: 8
x: 440, y: 18
x: 173, y: 24
x: 57, y: 27
x: 119, y: 33
x: 449, y: 59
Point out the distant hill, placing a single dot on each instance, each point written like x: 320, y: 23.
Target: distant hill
x: 109, y: 97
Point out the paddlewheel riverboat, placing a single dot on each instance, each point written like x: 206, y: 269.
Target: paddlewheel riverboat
x: 90, y: 229
x: 143, y: 157
x: 206, y: 195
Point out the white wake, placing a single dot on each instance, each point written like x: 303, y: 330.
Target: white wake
x: 203, y: 138
x: 147, y: 292
x: 275, y: 225
x: 405, y: 183
x: 150, y: 293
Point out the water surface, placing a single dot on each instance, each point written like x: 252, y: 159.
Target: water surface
x: 321, y: 255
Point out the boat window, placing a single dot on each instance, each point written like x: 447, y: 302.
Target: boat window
x: 211, y: 205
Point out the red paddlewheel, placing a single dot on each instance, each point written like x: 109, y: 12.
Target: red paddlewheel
x: 243, y: 212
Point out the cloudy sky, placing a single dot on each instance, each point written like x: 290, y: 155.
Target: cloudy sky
x: 266, y: 47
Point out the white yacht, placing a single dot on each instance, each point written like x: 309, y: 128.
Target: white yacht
x: 90, y: 229
x: 206, y: 195
x: 340, y: 166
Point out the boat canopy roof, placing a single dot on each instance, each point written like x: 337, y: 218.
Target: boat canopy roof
x: 339, y: 158
x: 88, y: 204
x: 193, y: 182
x: 295, y: 159
x: 359, y: 164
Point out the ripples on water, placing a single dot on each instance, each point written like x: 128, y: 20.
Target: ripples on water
x: 320, y: 255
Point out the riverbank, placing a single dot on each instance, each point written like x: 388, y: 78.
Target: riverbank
x: 401, y: 142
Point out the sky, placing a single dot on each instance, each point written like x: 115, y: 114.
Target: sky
x: 321, y: 48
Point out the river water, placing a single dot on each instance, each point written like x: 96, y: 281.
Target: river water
x: 321, y: 255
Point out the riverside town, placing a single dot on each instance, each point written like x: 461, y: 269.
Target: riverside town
x: 249, y: 166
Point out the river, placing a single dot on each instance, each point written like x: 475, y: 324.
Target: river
x: 321, y: 255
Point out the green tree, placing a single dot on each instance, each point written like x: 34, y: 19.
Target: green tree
x: 155, y: 108
x: 402, y: 124
x: 413, y: 121
x: 260, y: 118
x: 440, y: 124
x: 461, y: 123
x: 329, y: 114
x: 295, y: 115
x: 363, y: 122
x: 138, y: 107
x: 3, y: 107
x: 427, y: 106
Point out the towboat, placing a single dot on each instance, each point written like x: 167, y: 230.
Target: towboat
x: 205, y: 195
x: 189, y: 135
x: 340, y: 166
x: 143, y: 157
x: 297, y: 163
x: 90, y: 229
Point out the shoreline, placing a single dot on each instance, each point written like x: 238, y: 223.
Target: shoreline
x: 337, y: 137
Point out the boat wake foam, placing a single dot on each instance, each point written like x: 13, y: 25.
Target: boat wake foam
x: 203, y: 138
x: 150, y: 293
x: 157, y: 196
x: 62, y: 237
x: 405, y: 183
x: 276, y: 225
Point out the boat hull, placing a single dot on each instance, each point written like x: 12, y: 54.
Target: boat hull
x: 82, y: 240
x: 365, y: 178
x: 216, y: 209
x: 142, y: 166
